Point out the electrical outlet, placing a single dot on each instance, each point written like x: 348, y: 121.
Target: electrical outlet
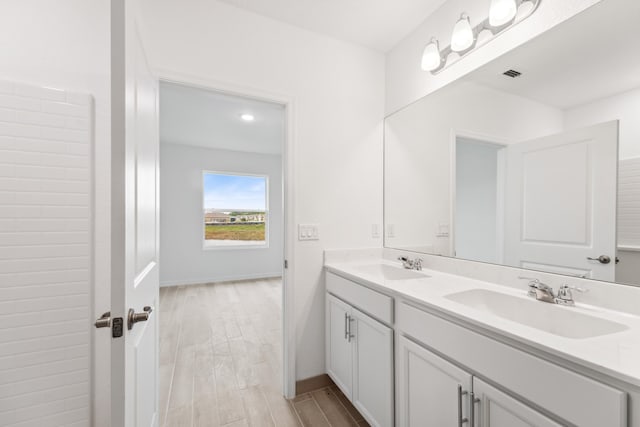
x: 375, y: 231
x: 308, y: 232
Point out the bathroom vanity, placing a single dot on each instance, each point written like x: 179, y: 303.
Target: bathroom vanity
x: 423, y: 348
x: 527, y: 166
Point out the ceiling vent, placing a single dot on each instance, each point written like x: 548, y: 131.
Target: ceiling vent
x: 512, y: 73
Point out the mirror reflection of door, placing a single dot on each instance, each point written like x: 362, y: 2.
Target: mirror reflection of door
x: 561, y: 202
x: 479, y: 200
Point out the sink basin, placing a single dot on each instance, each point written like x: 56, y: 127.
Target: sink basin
x: 546, y: 317
x: 390, y: 272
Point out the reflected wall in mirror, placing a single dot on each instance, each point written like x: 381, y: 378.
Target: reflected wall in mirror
x: 539, y: 171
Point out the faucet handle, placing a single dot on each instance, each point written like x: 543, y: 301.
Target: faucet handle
x: 574, y: 288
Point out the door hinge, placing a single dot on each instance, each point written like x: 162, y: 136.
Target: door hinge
x: 286, y: 263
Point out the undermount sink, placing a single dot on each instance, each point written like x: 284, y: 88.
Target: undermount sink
x: 546, y: 317
x: 390, y: 272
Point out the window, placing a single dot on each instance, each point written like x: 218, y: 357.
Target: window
x: 235, y: 210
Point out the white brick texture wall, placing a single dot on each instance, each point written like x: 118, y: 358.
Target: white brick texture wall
x: 45, y: 256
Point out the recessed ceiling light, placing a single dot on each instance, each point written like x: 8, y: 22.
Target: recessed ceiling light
x: 247, y: 117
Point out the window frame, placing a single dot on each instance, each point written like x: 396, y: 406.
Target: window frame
x: 213, y: 247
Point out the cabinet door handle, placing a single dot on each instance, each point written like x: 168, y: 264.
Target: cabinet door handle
x: 472, y: 408
x: 346, y: 323
x: 351, y: 319
x: 460, y: 419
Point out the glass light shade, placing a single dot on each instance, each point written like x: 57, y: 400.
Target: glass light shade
x: 502, y: 12
x: 452, y: 58
x: 524, y: 10
x: 431, y: 58
x: 462, y: 38
x: 483, y: 37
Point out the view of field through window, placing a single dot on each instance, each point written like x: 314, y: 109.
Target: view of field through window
x: 235, y: 209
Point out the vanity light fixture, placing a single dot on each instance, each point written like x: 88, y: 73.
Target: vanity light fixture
x: 503, y: 14
x: 247, y: 117
x: 431, y: 59
x: 462, y: 37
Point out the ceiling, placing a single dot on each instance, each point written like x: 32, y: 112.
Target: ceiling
x: 589, y: 57
x: 378, y: 24
x: 204, y: 118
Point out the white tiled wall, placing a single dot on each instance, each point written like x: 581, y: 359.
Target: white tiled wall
x: 629, y: 203
x: 45, y: 256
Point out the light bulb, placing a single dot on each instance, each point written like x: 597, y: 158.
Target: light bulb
x: 462, y: 38
x: 501, y: 12
x: 431, y: 58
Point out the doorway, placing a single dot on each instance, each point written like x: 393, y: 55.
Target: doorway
x: 222, y: 234
x: 479, y: 200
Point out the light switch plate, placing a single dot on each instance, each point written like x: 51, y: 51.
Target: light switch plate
x: 308, y: 232
x: 391, y: 230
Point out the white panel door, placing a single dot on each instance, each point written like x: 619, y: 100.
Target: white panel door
x: 372, y: 369
x: 561, y: 202
x: 339, y: 351
x: 497, y: 409
x: 135, y: 282
x: 429, y: 388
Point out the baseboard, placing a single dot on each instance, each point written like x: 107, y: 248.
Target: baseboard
x: 313, y: 383
x: 197, y: 281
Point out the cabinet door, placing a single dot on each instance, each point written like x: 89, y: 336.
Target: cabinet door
x: 428, y: 390
x: 372, y: 369
x: 498, y: 409
x: 339, y: 349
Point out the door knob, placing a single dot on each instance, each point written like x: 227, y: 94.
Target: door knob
x: 602, y: 259
x: 104, y: 321
x: 133, y: 317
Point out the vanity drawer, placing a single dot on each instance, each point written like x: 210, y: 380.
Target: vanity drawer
x: 567, y: 394
x: 374, y: 303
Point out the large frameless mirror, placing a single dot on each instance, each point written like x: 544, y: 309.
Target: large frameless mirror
x: 531, y: 161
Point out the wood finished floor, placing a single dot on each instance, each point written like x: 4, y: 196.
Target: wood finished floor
x: 220, y: 361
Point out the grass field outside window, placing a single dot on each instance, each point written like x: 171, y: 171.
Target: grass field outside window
x: 235, y: 210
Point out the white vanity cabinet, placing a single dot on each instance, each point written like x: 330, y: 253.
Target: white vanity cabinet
x: 428, y: 384
x: 435, y: 392
x: 498, y: 409
x: 339, y: 348
x: 359, y: 348
x: 431, y: 391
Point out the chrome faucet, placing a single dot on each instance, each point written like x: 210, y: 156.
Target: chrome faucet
x: 544, y: 292
x: 540, y: 291
x: 411, y: 264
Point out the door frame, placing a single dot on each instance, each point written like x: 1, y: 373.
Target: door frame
x: 489, y: 140
x: 288, y: 193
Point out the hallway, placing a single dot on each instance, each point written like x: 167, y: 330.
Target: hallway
x: 220, y: 361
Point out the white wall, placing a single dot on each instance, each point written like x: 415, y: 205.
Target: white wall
x: 65, y: 44
x: 623, y: 107
x: 182, y: 257
x: 406, y: 82
x: 476, y: 215
x: 338, y: 98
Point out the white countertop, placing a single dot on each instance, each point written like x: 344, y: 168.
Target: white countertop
x: 616, y: 355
